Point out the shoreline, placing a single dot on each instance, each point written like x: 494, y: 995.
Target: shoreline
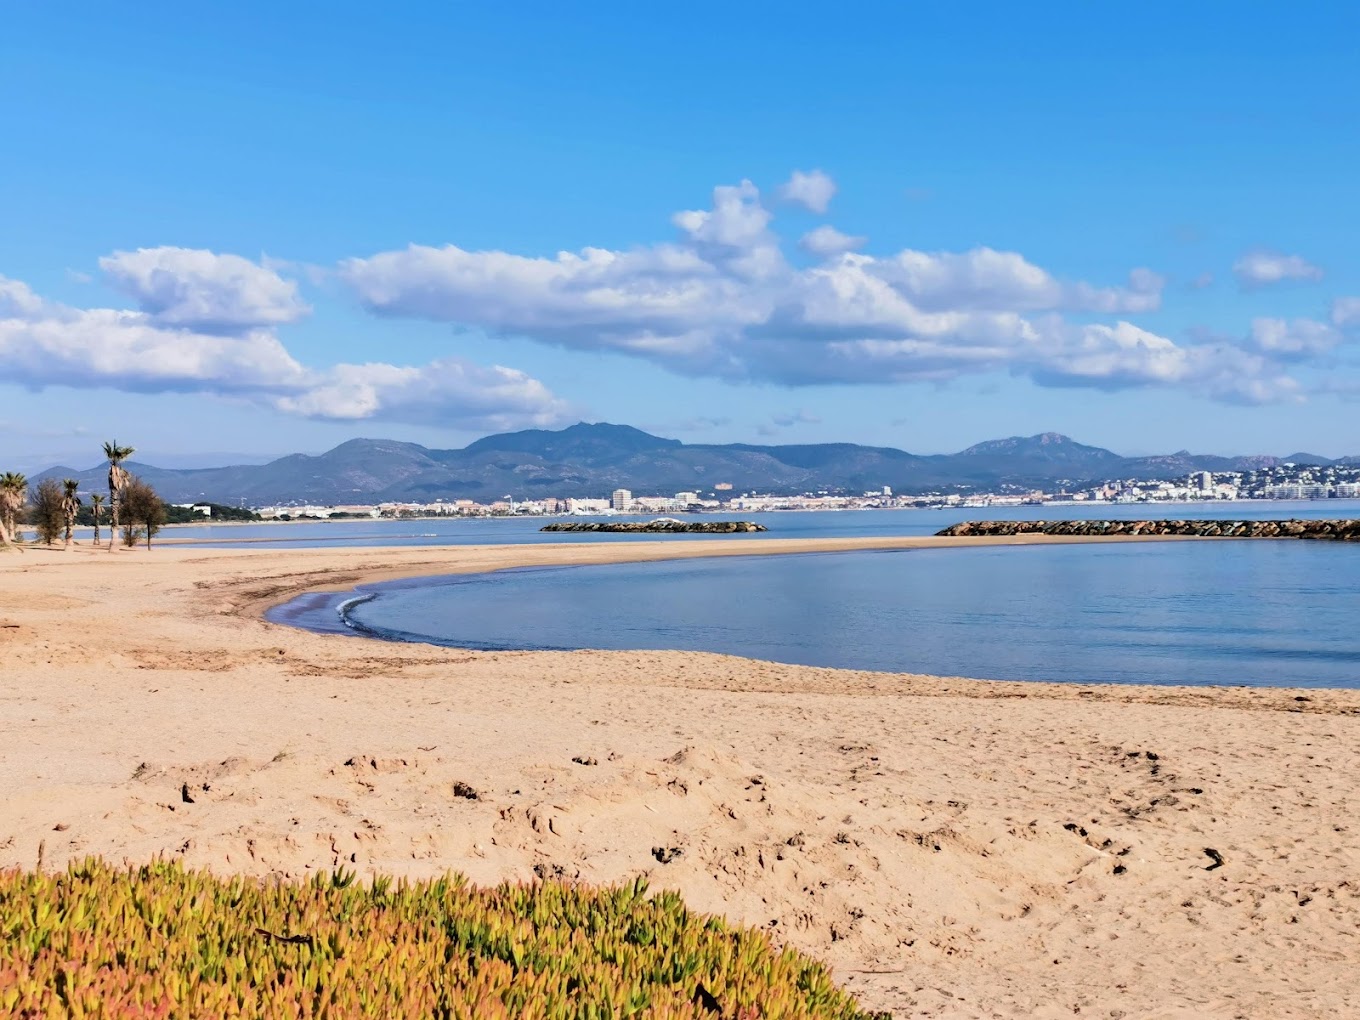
x: 326, y: 610
x: 580, y: 554
x: 440, y: 518
x: 939, y: 841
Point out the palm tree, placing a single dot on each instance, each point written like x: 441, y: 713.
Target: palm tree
x: 96, y: 501
x: 70, y: 505
x: 118, y: 479
x: 13, y: 490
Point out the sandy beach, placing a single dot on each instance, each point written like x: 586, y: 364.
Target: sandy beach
x: 953, y: 847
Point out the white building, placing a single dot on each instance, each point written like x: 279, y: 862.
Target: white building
x: 622, y: 499
x: 1296, y: 490
x: 587, y: 506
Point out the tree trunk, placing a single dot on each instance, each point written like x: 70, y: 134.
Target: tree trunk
x: 7, y: 533
x: 113, y: 515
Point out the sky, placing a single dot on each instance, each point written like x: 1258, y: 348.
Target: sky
x: 232, y: 232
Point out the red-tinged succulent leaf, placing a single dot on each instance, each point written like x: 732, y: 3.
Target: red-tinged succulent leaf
x: 159, y: 942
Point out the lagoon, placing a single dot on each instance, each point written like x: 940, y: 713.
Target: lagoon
x: 1251, y: 612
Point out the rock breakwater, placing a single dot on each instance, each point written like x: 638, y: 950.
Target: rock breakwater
x: 1343, y: 530
x: 665, y: 526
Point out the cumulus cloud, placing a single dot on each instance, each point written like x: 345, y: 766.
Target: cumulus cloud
x: 451, y: 389
x: 96, y: 347
x: 721, y: 300
x: 1123, y: 355
x: 17, y: 300
x: 1346, y: 311
x: 827, y: 240
x: 1263, y: 268
x: 153, y: 349
x: 203, y: 290
x: 813, y: 190
x: 1296, y: 340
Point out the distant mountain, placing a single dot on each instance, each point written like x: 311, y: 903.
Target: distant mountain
x: 1309, y: 459
x: 599, y: 443
x: 593, y: 460
x: 1048, y: 454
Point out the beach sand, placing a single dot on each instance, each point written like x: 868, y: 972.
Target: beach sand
x: 954, y: 848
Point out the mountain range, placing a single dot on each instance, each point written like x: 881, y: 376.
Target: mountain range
x: 591, y: 460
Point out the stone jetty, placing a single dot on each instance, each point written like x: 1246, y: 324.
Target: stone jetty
x: 663, y: 526
x: 1344, y: 530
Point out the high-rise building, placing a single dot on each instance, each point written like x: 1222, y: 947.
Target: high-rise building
x: 622, y: 499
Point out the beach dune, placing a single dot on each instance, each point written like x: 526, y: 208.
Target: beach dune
x: 953, y: 847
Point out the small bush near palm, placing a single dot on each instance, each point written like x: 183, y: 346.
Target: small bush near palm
x: 161, y: 941
x: 46, y: 512
x: 143, y: 511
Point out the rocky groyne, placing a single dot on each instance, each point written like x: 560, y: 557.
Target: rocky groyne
x: 1343, y: 530
x: 666, y: 526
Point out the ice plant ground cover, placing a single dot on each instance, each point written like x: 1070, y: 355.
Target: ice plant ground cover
x: 163, y: 941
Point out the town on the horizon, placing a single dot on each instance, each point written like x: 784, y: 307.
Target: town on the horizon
x: 604, y: 468
x: 1287, y: 481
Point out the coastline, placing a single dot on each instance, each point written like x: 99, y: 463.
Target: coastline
x: 940, y: 841
x: 475, y: 559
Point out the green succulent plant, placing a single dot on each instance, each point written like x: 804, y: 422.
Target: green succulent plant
x: 161, y: 941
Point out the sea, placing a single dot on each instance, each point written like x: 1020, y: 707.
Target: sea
x: 1232, y: 612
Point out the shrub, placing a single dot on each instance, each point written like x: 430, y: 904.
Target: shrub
x: 46, y: 513
x: 143, y: 512
x: 163, y: 941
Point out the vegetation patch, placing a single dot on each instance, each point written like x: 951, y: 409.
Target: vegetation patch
x: 161, y: 941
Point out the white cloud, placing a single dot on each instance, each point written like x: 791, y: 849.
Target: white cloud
x: 1264, y: 268
x: 737, y: 219
x: 100, y: 346
x: 812, y: 190
x: 987, y: 280
x: 202, y: 290
x: 1292, y: 341
x: 451, y: 389
x: 45, y: 343
x: 17, y: 300
x: 723, y: 301
x: 1123, y: 355
x: 1346, y: 311
x: 827, y: 240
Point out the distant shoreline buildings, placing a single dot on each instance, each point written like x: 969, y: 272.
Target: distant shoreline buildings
x: 1284, y: 482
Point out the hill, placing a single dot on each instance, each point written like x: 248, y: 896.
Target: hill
x: 594, y: 459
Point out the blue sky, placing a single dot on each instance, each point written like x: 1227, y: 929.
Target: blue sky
x: 255, y: 229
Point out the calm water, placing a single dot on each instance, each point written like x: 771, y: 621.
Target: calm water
x: 1243, y: 612
x: 782, y: 524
